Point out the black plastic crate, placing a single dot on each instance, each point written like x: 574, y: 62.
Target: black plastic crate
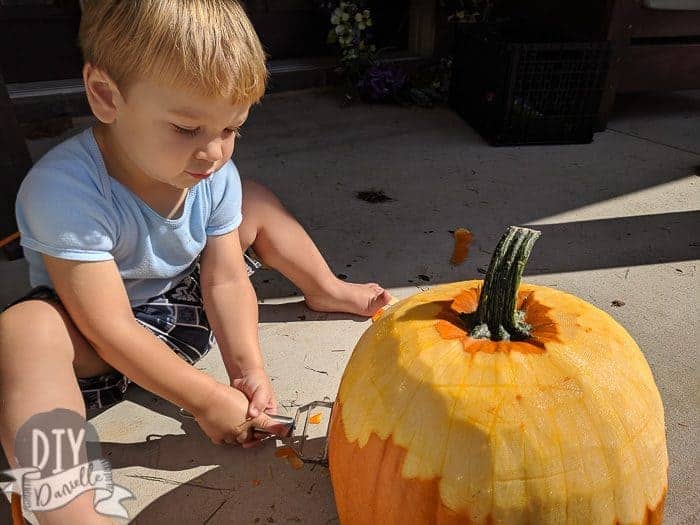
x: 518, y: 87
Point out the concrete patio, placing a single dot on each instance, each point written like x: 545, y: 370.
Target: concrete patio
x: 616, y: 218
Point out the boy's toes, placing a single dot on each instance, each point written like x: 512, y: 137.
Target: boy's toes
x: 359, y: 299
x: 380, y: 300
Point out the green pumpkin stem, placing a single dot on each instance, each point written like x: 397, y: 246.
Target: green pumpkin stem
x: 496, y: 317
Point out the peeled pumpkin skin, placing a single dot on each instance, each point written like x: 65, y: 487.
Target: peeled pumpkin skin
x: 433, y: 426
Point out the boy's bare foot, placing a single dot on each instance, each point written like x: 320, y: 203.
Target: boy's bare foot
x: 358, y: 299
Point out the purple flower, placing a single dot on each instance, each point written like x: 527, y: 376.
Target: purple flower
x: 381, y: 82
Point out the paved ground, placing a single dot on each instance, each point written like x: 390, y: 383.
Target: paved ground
x: 616, y: 217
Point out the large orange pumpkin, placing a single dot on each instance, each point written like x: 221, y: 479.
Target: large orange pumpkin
x: 491, y: 402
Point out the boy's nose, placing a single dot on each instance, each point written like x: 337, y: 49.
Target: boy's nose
x: 212, y: 152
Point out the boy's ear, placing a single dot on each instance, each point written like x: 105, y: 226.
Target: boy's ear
x: 102, y: 93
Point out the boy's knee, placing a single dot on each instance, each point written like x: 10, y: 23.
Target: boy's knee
x: 47, y: 322
x: 254, y: 191
x: 52, y: 330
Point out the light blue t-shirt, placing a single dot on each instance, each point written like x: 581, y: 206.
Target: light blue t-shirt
x: 69, y: 207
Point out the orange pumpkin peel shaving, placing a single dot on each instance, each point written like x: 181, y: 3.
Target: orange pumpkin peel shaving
x: 463, y: 239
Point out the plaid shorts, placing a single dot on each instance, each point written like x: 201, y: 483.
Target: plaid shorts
x: 176, y: 317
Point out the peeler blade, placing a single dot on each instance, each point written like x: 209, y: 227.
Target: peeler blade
x: 309, y: 437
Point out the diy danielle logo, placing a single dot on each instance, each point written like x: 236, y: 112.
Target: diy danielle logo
x: 58, y: 456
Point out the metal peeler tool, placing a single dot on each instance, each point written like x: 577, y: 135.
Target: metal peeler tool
x: 306, y: 433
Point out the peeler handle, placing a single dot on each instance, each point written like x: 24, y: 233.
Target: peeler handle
x: 277, y: 419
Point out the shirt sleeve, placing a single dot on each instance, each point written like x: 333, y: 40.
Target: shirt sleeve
x: 227, y: 199
x: 64, y: 216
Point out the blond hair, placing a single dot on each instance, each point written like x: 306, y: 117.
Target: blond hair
x: 209, y: 45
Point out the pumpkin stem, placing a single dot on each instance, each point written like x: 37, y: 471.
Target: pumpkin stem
x: 496, y: 317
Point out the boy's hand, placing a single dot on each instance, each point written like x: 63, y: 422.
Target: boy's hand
x: 255, y: 384
x: 224, y: 419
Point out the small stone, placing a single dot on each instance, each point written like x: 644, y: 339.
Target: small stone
x: 301, y: 317
x: 342, y: 276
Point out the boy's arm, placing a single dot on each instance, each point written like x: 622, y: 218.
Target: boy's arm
x: 94, y: 296
x: 232, y: 310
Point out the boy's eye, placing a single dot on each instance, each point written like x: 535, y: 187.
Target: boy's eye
x: 186, y: 131
x: 234, y: 131
x: 194, y: 131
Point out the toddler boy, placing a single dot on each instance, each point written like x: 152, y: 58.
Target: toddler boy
x: 136, y: 232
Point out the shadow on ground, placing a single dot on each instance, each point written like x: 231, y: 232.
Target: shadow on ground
x: 602, y: 205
